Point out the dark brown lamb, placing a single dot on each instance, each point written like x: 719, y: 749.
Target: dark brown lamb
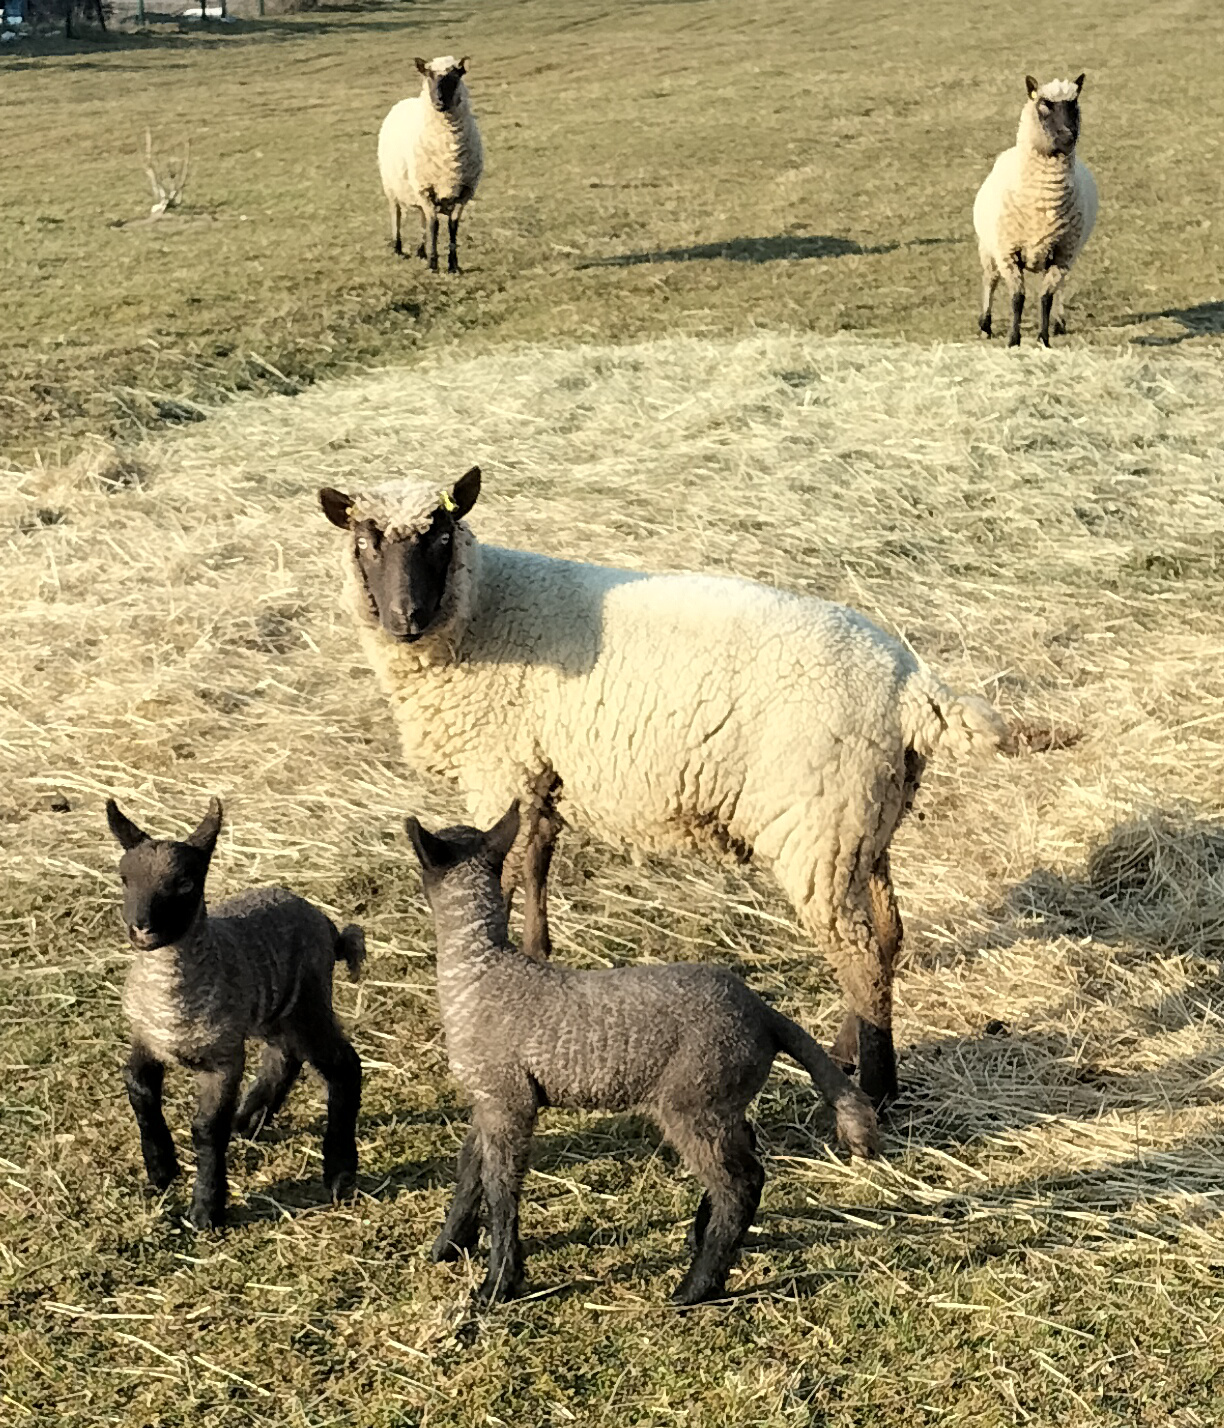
x: 203, y: 983
x: 688, y: 1045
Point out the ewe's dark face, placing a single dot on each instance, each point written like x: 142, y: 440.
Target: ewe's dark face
x: 163, y: 881
x: 443, y: 86
x: 1058, y: 120
x: 406, y: 578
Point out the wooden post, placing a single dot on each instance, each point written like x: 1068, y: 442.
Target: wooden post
x: 140, y: 18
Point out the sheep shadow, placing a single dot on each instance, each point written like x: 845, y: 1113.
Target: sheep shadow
x: 1204, y: 320
x: 779, y: 249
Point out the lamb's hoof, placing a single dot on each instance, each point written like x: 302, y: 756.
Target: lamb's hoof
x: 984, y: 325
x: 248, y: 1126
x: 696, y: 1291
x: 446, y: 1249
x: 341, y: 1186
x: 1014, y: 340
x: 1044, y: 339
x: 1060, y: 328
x: 453, y: 267
x: 433, y: 264
x: 161, y: 1177
x: 206, y: 1217
x: 497, y: 1291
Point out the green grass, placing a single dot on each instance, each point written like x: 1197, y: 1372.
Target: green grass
x: 854, y: 137
x: 1043, y: 1243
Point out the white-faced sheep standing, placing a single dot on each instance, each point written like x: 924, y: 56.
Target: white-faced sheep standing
x: 690, y: 1046
x: 674, y: 711
x: 430, y: 157
x: 1037, y: 207
x: 258, y: 965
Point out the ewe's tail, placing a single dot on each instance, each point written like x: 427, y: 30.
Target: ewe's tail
x: 966, y: 725
x: 350, y: 948
x: 856, y: 1121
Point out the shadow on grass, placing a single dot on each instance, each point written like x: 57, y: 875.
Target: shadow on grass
x: 1204, y: 320
x: 761, y: 250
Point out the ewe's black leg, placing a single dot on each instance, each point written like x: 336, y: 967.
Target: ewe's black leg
x: 1017, y: 306
x: 319, y: 1040
x: 461, y: 1229
x: 877, y: 1063
x: 505, y: 1143
x: 210, y: 1133
x: 396, y: 221
x: 432, y: 254
x: 143, y: 1076
x: 877, y: 1058
x: 734, y: 1178
x: 990, y: 281
x: 701, y: 1221
x: 1043, y: 332
x: 452, y: 235
x: 278, y: 1070
x: 424, y: 229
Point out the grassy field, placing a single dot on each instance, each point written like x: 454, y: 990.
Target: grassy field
x: 1044, y: 1241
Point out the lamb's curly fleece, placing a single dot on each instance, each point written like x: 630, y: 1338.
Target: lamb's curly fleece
x: 677, y: 710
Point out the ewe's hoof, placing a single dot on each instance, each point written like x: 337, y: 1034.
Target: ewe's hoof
x: 161, y: 1177
x: 695, y: 1291
x: 497, y: 1291
x: 984, y: 325
x: 342, y: 1186
x: 204, y: 1217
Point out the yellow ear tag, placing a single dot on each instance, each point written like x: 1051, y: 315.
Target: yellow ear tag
x: 448, y: 503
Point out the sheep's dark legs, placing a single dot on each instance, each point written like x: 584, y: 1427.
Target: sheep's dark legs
x: 505, y: 1143
x: 420, y: 252
x: 210, y: 1134
x: 317, y: 1038
x: 278, y: 1070
x: 452, y: 237
x: 396, y: 221
x: 1017, y: 312
x: 990, y: 281
x: 429, y: 245
x: 461, y: 1229
x: 1050, y: 285
x: 725, y: 1160
x: 143, y: 1076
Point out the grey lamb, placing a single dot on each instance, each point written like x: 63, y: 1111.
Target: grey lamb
x: 688, y: 1045
x: 259, y: 965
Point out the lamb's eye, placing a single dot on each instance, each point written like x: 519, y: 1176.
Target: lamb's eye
x: 183, y: 887
x: 444, y: 538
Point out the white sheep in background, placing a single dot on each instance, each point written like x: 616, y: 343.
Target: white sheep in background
x: 1037, y: 207
x: 669, y: 711
x: 430, y: 156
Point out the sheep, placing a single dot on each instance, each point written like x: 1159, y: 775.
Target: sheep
x: 203, y: 982
x: 430, y: 157
x: 690, y: 1046
x: 1037, y: 207
x: 667, y: 711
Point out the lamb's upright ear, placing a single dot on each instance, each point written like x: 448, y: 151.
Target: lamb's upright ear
x: 422, y: 65
x: 1031, y: 85
x: 1079, y: 84
x: 464, y: 492
x: 127, y: 835
x: 337, y: 507
x: 432, y: 853
x: 205, y: 836
x: 500, y: 838
x: 461, y: 67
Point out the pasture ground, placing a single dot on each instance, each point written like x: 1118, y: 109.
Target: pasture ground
x: 1043, y: 1243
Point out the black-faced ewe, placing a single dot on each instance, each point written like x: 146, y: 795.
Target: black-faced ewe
x: 669, y: 711
x: 430, y: 157
x: 690, y: 1046
x: 204, y: 982
x: 1037, y: 207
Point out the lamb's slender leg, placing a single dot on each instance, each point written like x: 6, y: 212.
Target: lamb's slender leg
x: 143, y: 1076
x: 452, y: 237
x: 990, y: 281
x: 1013, y: 276
x: 505, y: 1144
x: 724, y: 1158
x: 1050, y: 284
x: 537, y: 861
x: 210, y: 1134
x: 278, y: 1070
x: 317, y: 1038
x: 461, y: 1229
x: 397, y: 241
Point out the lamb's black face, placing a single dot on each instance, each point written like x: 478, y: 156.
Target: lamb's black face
x: 406, y: 578
x: 163, y: 887
x: 1060, y: 123
x: 444, y: 87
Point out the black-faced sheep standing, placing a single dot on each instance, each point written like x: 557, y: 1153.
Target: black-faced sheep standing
x: 688, y: 1045
x: 430, y: 157
x: 203, y: 983
x: 1037, y: 206
x: 670, y: 711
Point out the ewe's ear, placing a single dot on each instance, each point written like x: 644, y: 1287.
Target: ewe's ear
x: 500, y: 838
x: 461, y: 67
x: 1079, y: 84
x: 337, y: 507
x: 464, y: 492
x: 126, y: 832
x: 431, y: 852
x: 205, y: 836
x: 422, y: 65
x: 1031, y: 85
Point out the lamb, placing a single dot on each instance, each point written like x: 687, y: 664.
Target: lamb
x: 430, y: 157
x: 688, y: 1045
x: 258, y: 965
x: 668, y: 711
x: 1037, y: 207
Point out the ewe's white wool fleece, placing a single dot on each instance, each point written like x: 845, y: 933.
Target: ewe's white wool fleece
x: 1033, y: 203
x: 424, y: 154
x: 681, y: 710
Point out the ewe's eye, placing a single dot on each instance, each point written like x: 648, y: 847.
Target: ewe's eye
x: 184, y: 886
x: 444, y: 538
x: 362, y: 543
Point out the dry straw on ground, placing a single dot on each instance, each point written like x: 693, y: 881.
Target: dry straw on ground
x: 1042, y: 527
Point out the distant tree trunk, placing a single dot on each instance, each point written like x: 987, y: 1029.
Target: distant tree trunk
x: 100, y: 15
